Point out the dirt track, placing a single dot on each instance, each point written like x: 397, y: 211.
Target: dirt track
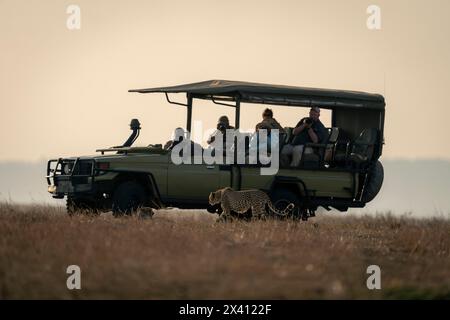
x: 187, y: 255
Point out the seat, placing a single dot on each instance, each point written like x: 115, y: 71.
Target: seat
x: 288, y: 135
x: 332, y: 140
x: 320, y: 150
x: 361, y: 150
x: 282, y: 140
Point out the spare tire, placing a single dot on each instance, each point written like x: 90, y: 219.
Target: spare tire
x: 374, y: 183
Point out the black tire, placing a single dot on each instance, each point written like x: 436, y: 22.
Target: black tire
x: 80, y: 206
x: 282, y: 197
x: 374, y: 183
x: 127, y: 198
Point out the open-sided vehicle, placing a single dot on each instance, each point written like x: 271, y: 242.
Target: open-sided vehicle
x: 124, y: 178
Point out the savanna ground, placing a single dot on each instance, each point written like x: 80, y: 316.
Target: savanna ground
x: 186, y: 255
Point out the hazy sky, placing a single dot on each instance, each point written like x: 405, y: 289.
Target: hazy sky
x: 65, y: 93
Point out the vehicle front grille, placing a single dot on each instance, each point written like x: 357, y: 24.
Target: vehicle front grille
x: 70, y: 175
x: 82, y: 167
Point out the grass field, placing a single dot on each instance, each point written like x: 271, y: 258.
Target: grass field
x: 186, y: 255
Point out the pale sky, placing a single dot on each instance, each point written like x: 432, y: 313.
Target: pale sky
x: 64, y: 93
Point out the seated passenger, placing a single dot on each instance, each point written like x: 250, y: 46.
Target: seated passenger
x: 269, y: 122
x: 307, y: 130
x: 178, y: 136
x: 223, y: 124
x: 258, y: 140
x: 181, y: 138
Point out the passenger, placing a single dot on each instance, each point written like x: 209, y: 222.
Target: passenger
x: 258, y: 140
x: 222, y: 125
x: 178, y: 136
x: 269, y: 122
x: 307, y: 130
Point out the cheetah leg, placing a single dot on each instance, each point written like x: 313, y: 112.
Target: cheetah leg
x: 225, y: 215
x: 258, y: 212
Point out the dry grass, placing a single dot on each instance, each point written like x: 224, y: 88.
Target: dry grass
x: 186, y: 255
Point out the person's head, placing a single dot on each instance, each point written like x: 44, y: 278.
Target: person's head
x: 178, y: 134
x: 224, y: 120
x: 222, y: 126
x: 267, y: 114
x: 314, y: 113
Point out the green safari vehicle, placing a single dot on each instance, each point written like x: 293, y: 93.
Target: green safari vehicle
x: 343, y: 172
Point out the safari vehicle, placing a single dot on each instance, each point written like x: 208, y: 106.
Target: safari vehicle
x: 124, y: 178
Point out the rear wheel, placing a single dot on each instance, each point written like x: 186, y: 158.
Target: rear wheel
x: 127, y: 198
x: 282, y: 197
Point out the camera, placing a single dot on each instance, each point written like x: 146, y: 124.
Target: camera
x: 221, y: 126
x: 308, y: 120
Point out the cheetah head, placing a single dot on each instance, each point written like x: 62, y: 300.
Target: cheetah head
x: 215, y: 197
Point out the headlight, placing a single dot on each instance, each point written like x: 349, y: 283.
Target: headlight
x: 67, y: 167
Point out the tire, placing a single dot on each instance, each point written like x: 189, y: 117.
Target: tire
x: 282, y: 197
x: 374, y: 183
x: 127, y: 198
x: 80, y: 206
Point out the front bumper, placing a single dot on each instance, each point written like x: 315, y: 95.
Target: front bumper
x: 70, y: 176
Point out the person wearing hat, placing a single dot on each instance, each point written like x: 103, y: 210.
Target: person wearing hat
x: 177, y: 137
x: 307, y: 130
x: 222, y: 125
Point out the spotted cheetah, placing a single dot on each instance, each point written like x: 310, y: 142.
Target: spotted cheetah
x: 241, y: 201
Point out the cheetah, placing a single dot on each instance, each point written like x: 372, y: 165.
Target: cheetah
x: 241, y: 201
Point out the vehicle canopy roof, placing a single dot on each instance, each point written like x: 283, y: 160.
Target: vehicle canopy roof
x: 249, y: 92
x: 352, y: 111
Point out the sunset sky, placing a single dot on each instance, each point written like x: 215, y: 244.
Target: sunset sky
x: 64, y: 92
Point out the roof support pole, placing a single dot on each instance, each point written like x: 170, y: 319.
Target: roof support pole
x: 189, y: 112
x: 238, y: 112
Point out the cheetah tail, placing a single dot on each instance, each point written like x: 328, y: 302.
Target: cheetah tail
x: 285, y: 212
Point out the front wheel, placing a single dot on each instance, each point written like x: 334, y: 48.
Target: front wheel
x: 76, y: 206
x: 127, y: 198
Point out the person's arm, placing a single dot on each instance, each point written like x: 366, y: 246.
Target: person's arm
x: 322, y: 133
x: 167, y: 145
x: 211, y: 139
x: 313, y: 135
x: 300, y: 127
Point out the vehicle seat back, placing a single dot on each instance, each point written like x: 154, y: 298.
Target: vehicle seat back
x: 334, y: 134
x: 363, y: 147
x: 282, y: 140
x: 289, y: 134
x: 331, y: 144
